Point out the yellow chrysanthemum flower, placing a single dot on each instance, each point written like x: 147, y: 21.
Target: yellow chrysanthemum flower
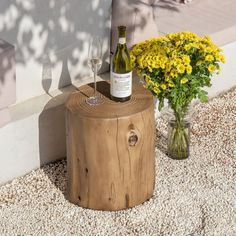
x: 174, y: 73
x: 132, y: 58
x: 184, y: 80
x: 189, y: 69
x: 208, y: 49
x: 156, y: 90
x: 169, y: 57
x: 180, y: 68
x: 186, y: 59
x: 171, y: 84
x: 163, y: 86
x: 187, y: 47
x: 147, y: 77
x: 209, y: 58
x: 211, y: 68
x: 178, y: 43
x: 220, y: 58
x: 167, y: 79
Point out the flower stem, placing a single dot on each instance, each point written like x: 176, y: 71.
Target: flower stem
x: 178, y: 139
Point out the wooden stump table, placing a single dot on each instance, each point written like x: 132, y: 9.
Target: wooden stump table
x: 110, y: 149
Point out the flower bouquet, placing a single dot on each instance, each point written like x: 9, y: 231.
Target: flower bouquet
x: 177, y: 67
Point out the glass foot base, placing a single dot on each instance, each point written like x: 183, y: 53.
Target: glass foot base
x: 177, y: 157
x: 93, y: 101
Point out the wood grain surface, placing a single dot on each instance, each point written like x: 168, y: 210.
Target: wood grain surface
x: 110, y: 149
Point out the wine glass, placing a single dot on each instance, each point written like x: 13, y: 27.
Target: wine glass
x: 95, y: 63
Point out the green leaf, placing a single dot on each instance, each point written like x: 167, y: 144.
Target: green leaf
x: 203, y: 96
x: 161, y: 104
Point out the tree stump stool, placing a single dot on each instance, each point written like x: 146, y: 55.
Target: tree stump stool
x: 110, y: 149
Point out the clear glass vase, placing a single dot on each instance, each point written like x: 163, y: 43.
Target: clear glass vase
x: 178, y: 140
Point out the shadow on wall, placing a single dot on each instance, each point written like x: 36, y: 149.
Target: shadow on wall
x: 51, y: 39
x: 52, y: 136
x: 52, y: 122
x: 52, y: 130
x: 52, y: 33
x: 7, y: 63
x: 52, y: 140
x: 7, y: 80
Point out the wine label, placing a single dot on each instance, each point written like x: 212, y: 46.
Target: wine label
x: 122, y: 40
x: 121, y: 84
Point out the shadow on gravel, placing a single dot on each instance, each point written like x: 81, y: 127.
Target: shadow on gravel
x: 57, y: 174
x: 161, y: 141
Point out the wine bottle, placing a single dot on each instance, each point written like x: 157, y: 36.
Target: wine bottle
x: 121, y: 71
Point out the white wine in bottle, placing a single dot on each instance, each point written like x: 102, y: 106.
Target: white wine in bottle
x: 121, y: 71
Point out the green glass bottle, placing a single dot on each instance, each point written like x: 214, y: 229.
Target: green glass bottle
x: 121, y: 71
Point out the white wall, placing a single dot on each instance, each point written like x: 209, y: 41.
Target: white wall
x: 31, y: 141
x: 51, y: 39
x: 227, y: 77
x: 19, y: 148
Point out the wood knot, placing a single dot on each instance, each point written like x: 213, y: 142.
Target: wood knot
x: 133, y: 138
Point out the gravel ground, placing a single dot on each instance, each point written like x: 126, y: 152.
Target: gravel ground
x: 193, y: 197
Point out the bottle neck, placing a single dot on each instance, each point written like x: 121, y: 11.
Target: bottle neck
x: 122, y: 34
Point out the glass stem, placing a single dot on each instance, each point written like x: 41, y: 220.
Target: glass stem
x: 95, y: 79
